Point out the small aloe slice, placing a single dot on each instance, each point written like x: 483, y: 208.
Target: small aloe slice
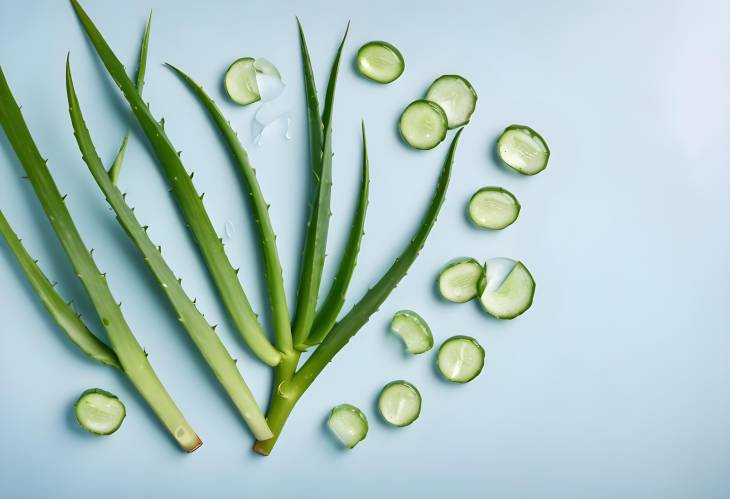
x: 348, y: 424
x: 508, y: 289
x: 423, y: 124
x: 493, y: 208
x: 523, y: 149
x: 380, y: 61
x: 240, y: 81
x: 129, y: 352
x: 99, y: 412
x: 459, y: 280
x: 399, y: 403
x: 335, y: 299
x: 116, y: 167
x: 413, y: 330
x: 315, y: 241
x: 61, y: 312
x: 224, y: 275
x: 460, y: 359
x: 456, y: 97
x: 202, y: 334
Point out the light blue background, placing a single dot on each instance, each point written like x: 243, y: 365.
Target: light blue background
x: 614, y: 384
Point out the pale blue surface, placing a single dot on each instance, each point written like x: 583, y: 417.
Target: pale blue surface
x: 615, y: 383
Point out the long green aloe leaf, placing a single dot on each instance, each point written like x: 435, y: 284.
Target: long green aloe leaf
x: 131, y: 355
x: 62, y: 313
x: 267, y: 238
x: 335, y: 299
x: 289, y: 393
x: 314, y: 121
x: 202, y: 334
x: 116, y: 167
x: 190, y: 204
x: 315, y: 243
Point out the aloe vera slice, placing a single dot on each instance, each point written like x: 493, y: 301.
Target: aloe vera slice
x: 380, y: 61
x: 460, y: 359
x: 509, y: 288
x: 399, y: 403
x: 458, y: 281
x: 423, y: 124
x: 523, y: 149
x: 493, y: 208
x: 348, y: 424
x: 413, y: 330
x: 99, y: 412
x: 456, y: 97
x: 240, y: 81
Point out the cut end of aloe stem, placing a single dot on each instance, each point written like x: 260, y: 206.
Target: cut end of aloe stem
x: 399, y: 403
x: 523, y: 149
x: 99, y: 412
x: 348, y: 424
x: 456, y: 97
x: 380, y: 61
x: 459, y: 280
x: 493, y: 208
x: 413, y: 330
x: 508, y: 288
x: 460, y: 359
x: 423, y: 124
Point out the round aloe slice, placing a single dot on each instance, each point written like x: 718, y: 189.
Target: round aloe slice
x: 508, y: 288
x: 240, y: 81
x: 460, y: 359
x: 458, y: 281
x: 399, y: 403
x: 493, y: 208
x: 413, y: 330
x: 456, y: 97
x: 380, y: 62
x: 523, y: 149
x: 348, y: 424
x: 423, y: 124
x: 99, y: 412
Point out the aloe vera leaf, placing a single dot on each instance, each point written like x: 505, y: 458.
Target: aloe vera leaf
x: 288, y: 394
x: 272, y: 265
x: 335, y: 299
x: 314, y: 122
x: 61, y: 312
x: 202, y: 334
x: 189, y: 202
x: 131, y: 355
x: 116, y: 167
x: 315, y: 242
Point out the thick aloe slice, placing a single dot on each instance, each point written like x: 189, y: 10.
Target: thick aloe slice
x: 456, y: 97
x: 380, y: 62
x: 399, y: 403
x: 509, y: 288
x: 349, y: 424
x: 423, y: 124
x: 460, y: 359
x: 413, y: 330
x: 523, y: 149
x: 99, y: 412
x: 493, y: 208
x: 459, y: 280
